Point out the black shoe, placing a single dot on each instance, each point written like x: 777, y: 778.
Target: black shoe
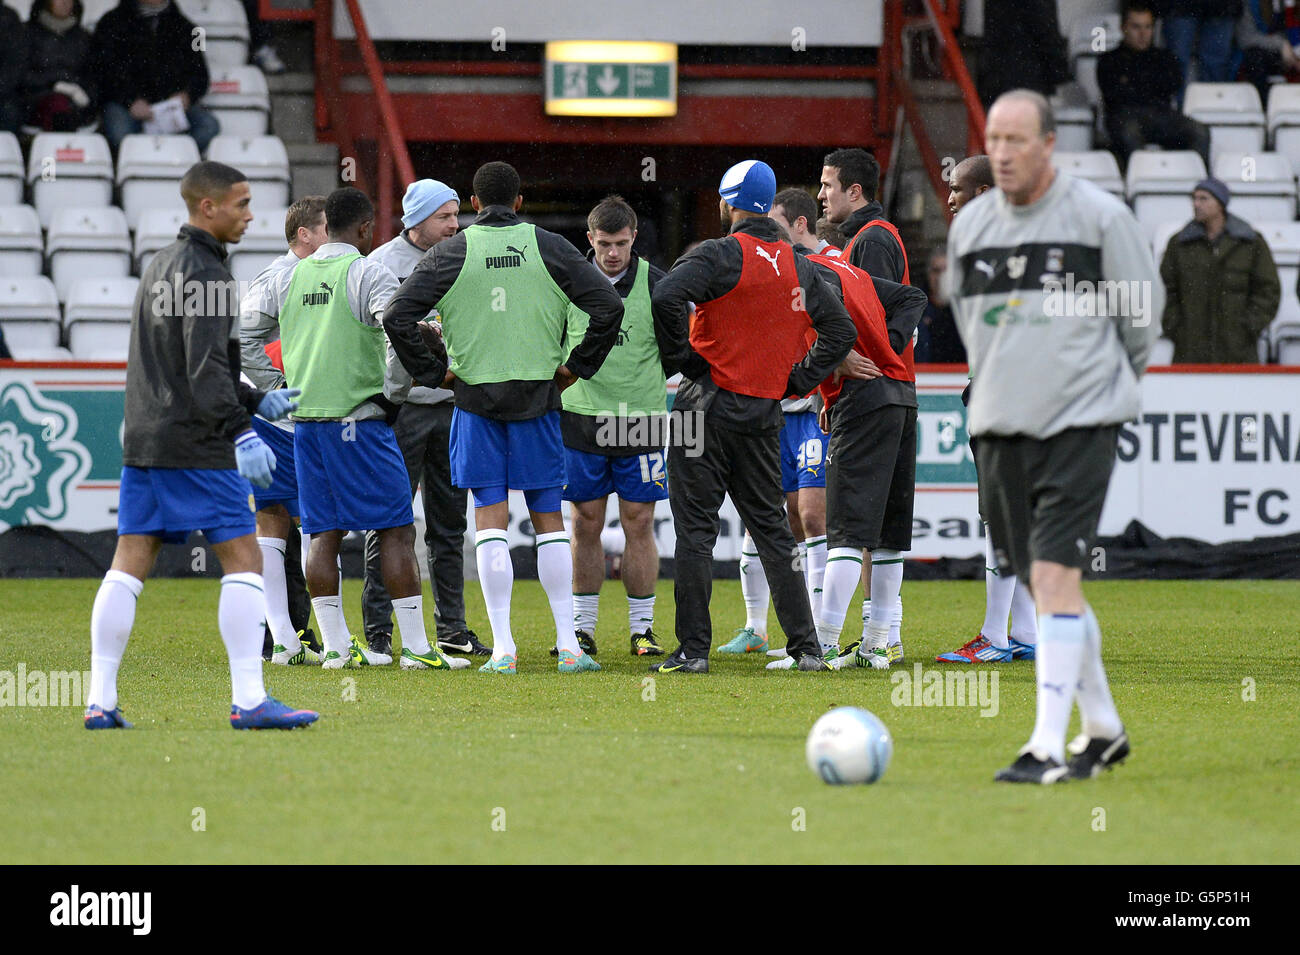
x: 676, y: 663
x: 586, y: 643
x: 312, y: 642
x: 813, y: 662
x: 267, y: 643
x: 646, y: 645
x: 380, y: 642
x: 1028, y: 768
x: 466, y: 641
x: 1097, y: 754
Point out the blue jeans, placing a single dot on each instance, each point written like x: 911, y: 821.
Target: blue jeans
x: 1210, y: 39
x: 119, y: 123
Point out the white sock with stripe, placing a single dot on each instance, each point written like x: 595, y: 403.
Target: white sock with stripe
x: 998, y: 591
x: 1058, y: 664
x: 815, y: 571
x: 329, y: 616
x: 496, y: 576
x: 886, y: 586
x: 843, y: 570
x: 1096, y: 706
x: 753, y: 586
x: 110, y: 629
x: 277, y: 594
x: 555, y: 571
x: 410, y: 623
x: 1024, y: 617
x: 640, y: 613
x: 241, y: 615
x: 586, y: 610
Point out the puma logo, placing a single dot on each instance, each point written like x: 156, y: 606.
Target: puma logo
x: 518, y: 252
x: 770, y: 258
x: 984, y: 267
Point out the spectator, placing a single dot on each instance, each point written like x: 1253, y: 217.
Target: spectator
x: 830, y: 233
x: 1138, y: 85
x: 936, y: 336
x: 1023, y: 49
x: 259, y: 41
x: 1266, y: 49
x: 1222, y: 286
x: 57, y: 88
x: 13, y: 63
x: 144, y: 53
x: 1203, y: 27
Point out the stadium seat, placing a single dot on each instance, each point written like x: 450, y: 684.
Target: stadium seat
x: 88, y: 243
x: 263, y: 159
x: 1159, y: 186
x: 11, y: 170
x: 238, y: 98
x: 226, y: 27
x: 1284, y: 122
x: 262, y: 243
x: 20, y: 241
x: 100, y: 341
x: 1262, y: 185
x: 69, y: 169
x: 1283, y: 240
x: 94, y: 12
x: 156, y: 230
x: 1097, y: 166
x: 1233, y: 113
x: 98, y: 316
x: 1075, y: 119
x: 41, y: 354
x: 149, y: 171
x: 1162, y: 352
x: 29, y: 312
x: 1163, y: 233
x: 1090, y: 36
x: 1286, y: 343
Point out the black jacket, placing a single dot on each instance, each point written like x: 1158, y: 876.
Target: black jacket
x: 184, y: 400
x: 584, y: 432
x: 1147, y: 79
x: 710, y: 272
x: 510, y: 400
x: 135, y: 58
x: 56, y: 57
x: 13, y: 53
x: 878, y: 252
x: 1023, y: 48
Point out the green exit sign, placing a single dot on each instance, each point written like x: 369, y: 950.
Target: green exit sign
x: 611, y: 78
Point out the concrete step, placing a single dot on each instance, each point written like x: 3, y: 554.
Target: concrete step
x: 314, y: 168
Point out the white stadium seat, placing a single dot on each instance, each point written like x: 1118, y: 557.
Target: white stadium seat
x: 69, y: 169
x: 1284, y: 122
x: 157, y: 229
x: 261, y: 243
x: 149, y: 171
x: 88, y: 243
x: 41, y: 354
x: 1286, y: 343
x: 1163, y: 233
x: 21, y: 252
x: 98, y: 317
x: 263, y: 159
x: 100, y: 341
x: 1262, y: 185
x: 1075, y: 119
x: 238, y: 98
x: 29, y: 312
x: 225, y: 28
x: 1086, y: 35
x: 11, y: 170
x: 1097, y: 166
x: 1283, y: 240
x: 1159, y: 186
x: 1233, y: 113
x: 1162, y: 352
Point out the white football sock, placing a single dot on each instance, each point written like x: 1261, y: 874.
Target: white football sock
x: 843, y: 571
x: 1096, y: 706
x: 640, y: 613
x: 866, y: 617
x: 753, y: 586
x: 277, y: 594
x: 333, y: 632
x: 886, y: 586
x: 586, y: 610
x: 1058, y: 664
x: 241, y: 615
x: 1024, y: 618
x: 410, y: 623
x: 110, y: 629
x: 496, y: 576
x: 997, y: 597
x: 555, y: 571
x: 896, y: 625
x: 306, y: 542
x: 342, y: 620
x: 815, y: 571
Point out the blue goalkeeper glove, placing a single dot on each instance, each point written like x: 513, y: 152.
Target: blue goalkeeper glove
x: 279, y: 403
x: 254, y: 459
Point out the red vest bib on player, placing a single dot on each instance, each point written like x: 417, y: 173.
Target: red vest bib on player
x: 863, y: 306
x: 907, y: 280
x: 753, y: 335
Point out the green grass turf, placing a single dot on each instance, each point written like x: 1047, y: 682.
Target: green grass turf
x: 711, y: 770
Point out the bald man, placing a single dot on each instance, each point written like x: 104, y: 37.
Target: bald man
x: 971, y: 177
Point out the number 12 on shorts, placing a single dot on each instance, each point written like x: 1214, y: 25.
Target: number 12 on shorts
x: 652, y: 467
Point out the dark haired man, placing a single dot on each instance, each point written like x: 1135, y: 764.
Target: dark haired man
x: 503, y: 288
x: 188, y: 452
x: 613, y: 427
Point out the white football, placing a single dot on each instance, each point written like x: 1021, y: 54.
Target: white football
x: 849, y: 745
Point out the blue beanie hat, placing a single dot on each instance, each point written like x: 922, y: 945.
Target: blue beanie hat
x: 1215, y: 188
x: 749, y: 186
x: 423, y: 198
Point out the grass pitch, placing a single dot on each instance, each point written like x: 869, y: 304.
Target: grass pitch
x: 466, y: 767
